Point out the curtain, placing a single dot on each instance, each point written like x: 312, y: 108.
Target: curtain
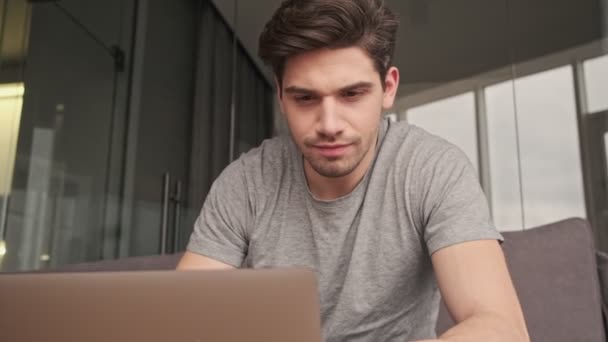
x: 253, y: 105
x: 213, y: 97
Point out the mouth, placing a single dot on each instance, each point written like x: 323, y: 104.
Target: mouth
x: 331, y: 150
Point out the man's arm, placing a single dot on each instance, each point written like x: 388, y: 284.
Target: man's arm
x: 476, y: 286
x: 193, y: 261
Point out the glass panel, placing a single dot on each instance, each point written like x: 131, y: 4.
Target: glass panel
x: 503, y: 157
x: 596, y: 77
x: 11, y: 99
x: 550, y: 155
x: 13, y: 37
x: 59, y: 200
x: 453, y: 119
x: 159, y: 146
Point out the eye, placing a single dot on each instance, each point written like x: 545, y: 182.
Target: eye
x: 303, y: 98
x: 352, y: 94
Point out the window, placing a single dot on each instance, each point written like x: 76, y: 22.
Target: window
x: 549, y: 157
x: 503, y: 157
x: 453, y: 119
x: 596, y: 83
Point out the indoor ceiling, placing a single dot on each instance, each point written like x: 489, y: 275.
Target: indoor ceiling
x: 441, y: 41
x: 438, y: 40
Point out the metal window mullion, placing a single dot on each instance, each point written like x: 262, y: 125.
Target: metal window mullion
x: 580, y: 96
x: 483, y: 152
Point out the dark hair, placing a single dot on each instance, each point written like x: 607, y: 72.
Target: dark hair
x: 305, y: 25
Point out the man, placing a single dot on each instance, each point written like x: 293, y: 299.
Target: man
x: 384, y: 212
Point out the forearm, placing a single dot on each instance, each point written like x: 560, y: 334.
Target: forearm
x: 488, y: 328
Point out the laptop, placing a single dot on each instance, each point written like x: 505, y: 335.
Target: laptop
x: 167, y: 306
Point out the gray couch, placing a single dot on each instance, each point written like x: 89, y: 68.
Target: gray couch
x: 556, y: 272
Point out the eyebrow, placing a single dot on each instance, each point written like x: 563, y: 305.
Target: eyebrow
x: 300, y: 90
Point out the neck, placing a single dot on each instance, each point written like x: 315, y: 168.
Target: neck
x: 330, y: 188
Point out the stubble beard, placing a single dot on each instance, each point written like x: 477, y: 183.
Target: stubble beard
x: 339, y: 166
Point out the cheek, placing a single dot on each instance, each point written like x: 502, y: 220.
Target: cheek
x: 299, y: 124
x: 365, y: 115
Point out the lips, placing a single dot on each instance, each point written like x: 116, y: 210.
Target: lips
x: 331, y: 151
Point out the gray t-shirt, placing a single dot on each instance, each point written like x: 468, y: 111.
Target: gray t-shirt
x: 371, y: 248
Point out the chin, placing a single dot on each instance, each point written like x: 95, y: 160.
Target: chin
x: 334, y: 169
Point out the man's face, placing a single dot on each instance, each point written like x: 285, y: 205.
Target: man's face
x: 333, y: 100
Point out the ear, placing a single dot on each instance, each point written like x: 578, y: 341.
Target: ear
x: 391, y: 83
x: 279, y: 93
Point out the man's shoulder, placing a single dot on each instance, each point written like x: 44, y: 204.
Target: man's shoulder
x: 272, y: 151
x: 266, y: 162
x: 413, y: 142
x: 255, y: 170
x: 418, y: 155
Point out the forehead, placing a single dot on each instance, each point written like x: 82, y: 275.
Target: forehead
x: 329, y: 69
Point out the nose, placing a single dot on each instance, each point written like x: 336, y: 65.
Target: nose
x: 329, y: 124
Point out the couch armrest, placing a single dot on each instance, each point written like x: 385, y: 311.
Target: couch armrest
x: 602, y: 270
